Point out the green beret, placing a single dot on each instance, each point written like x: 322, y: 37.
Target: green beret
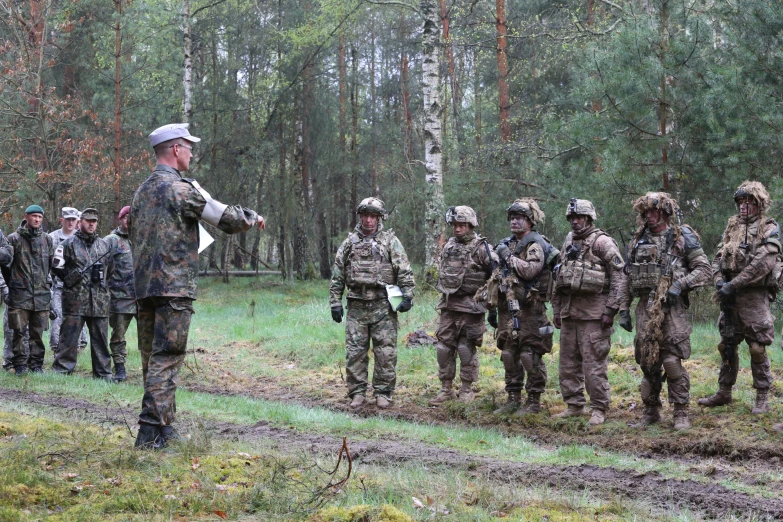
x: 34, y: 209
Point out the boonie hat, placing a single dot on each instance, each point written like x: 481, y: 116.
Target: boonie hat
x: 170, y: 132
x: 90, y: 214
x: 69, y: 212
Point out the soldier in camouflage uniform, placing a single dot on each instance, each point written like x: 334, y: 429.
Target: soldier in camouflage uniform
x: 164, y: 231
x: 122, y: 289
x: 6, y: 256
x: 80, y: 261
x: 29, y: 287
x: 465, y: 264
x: 522, y: 285
x: 587, y: 296
x: 69, y: 222
x: 745, y: 279
x: 366, y: 262
x: 665, y: 262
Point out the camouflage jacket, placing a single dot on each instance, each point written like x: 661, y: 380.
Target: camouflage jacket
x: 597, y: 252
x: 6, y: 251
x: 749, y: 265
x: 120, y: 273
x: 57, y: 238
x: 82, y: 296
x: 164, y: 232
x: 30, y: 283
x: 389, y: 252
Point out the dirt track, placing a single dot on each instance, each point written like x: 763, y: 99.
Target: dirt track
x: 711, y: 499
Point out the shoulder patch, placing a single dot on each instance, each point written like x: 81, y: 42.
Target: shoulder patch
x: 617, y: 261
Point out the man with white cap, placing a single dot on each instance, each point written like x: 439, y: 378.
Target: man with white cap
x: 69, y: 220
x: 164, y: 231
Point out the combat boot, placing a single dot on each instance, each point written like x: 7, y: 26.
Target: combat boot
x: 761, y: 406
x: 597, y: 418
x: 37, y: 369
x: 119, y: 372
x: 681, y: 421
x: 571, y: 411
x: 358, y: 401
x: 513, y: 404
x: 447, y: 393
x: 168, y: 434
x: 383, y: 402
x: 532, y: 405
x: 149, y: 437
x: 20, y: 371
x: 466, y: 393
x: 651, y: 415
x: 720, y: 398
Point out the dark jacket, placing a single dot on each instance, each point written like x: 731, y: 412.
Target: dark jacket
x: 81, y: 295
x: 120, y: 273
x: 30, y: 283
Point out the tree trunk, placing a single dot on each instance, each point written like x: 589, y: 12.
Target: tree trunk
x: 456, y: 95
x: 477, y: 98
x: 503, y: 99
x: 187, y: 78
x: 373, y: 165
x: 433, y: 227
x: 117, y: 107
x: 663, y: 105
x: 406, y: 93
x: 340, y: 187
x: 354, y: 135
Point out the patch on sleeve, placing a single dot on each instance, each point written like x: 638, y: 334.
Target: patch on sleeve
x: 617, y: 261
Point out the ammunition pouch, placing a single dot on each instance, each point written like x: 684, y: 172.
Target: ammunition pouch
x: 644, y: 278
x: 581, y: 277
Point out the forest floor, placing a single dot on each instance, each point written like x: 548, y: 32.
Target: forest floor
x: 262, y: 403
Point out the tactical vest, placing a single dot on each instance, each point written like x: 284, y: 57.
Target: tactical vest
x: 744, y: 256
x: 457, y: 273
x: 540, y: 284
x: 369, y: 263
x: 586, y: 274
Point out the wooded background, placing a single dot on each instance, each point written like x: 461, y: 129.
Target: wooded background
x: 305, y: 107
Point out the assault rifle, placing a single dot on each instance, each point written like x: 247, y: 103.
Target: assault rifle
x: 511, y: 300
x: 729, y: 333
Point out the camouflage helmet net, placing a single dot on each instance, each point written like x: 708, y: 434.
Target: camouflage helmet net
x: 581, y: 207
x: 755, y: 190
x: 527, y: 207
x: 461, y: 214
x: 655, y: 200
x: 371, y: 206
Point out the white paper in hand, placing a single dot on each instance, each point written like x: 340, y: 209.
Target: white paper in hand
x: 204, y: 239
x: 394, y: 295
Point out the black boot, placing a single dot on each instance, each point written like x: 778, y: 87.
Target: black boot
x: 20, y: 371
x: 149, y: 437
x: 119, y: 372
x: 168, y: 434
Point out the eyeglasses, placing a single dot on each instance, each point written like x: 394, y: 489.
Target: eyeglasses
x: 181, y: 145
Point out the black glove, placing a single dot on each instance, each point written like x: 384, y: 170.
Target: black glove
x: 52, y: 314
x: 726, y: 291
x: 719, y: 284
x: 607, y: 321
x: 405, y: 305
x: 674, y: 291
x: 337, y: 314
x: 492, y: 318
x: 625, y: 321
x: 503, y: 251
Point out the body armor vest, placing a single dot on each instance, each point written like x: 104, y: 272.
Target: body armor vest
x: 540, y: 284
x: 457, y: 272
x: 369, y: 263
x: 581, y: 271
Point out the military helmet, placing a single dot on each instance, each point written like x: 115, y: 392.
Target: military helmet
x: 371, y: 206
x: 527, y: 207
x: 461, y: 214
x: 755, y: 190
x: 580, y: 207
x: 659, y: 200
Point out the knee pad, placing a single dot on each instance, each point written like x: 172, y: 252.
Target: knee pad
x: 722, y: 349
x: 758, y: 352
x: 673, y: 367
x: 527, y: 361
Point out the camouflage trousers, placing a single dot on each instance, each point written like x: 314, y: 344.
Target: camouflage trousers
x: 28, y: 324
x: 163, y: 324
x: 370, y: 321
x: 459, y: 333
x: 66, y: 355
x: 54, y: 330
x: 753, y: 323
x: 677, y: 379
x: 119, y: 325
x: 522, y: 351
x: 8, y: 342
x: 584, y: 353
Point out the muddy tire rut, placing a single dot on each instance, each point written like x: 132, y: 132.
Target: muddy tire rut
x: 709, y: 498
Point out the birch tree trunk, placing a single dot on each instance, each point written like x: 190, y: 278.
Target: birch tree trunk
x: 187, y: 77
x: 433, y: 226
